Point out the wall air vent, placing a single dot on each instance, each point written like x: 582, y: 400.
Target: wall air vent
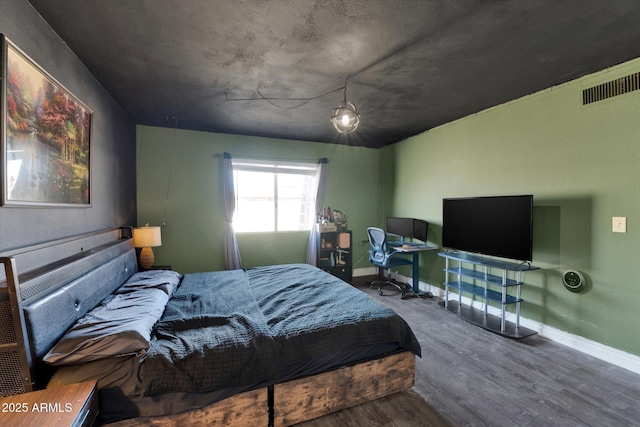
x: 610, y: 89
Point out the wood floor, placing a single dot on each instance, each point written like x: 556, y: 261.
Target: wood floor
x: 405, y: 409
x: 470, y: 377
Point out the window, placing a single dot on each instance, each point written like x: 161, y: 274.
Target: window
x: 274, y: 196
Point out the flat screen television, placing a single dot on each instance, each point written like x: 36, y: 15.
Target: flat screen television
x: 409, y: 228
x: 500, y: 226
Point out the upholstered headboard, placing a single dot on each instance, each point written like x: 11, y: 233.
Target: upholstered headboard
x: 45, y: 301
x: 49, y: 316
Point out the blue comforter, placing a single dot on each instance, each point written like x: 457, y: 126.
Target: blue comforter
x: 266, y: 324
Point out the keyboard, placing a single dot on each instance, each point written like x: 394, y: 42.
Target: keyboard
x: 409, y: 244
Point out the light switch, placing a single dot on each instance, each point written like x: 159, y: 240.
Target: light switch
x: 619, y: 224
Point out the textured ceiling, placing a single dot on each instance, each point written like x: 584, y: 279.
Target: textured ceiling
x: 410, y: 65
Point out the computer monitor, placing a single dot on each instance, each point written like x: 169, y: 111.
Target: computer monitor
x: 408, y: 228
x: 420, y: 230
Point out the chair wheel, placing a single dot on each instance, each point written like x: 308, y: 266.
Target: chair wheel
x: 380, y: 293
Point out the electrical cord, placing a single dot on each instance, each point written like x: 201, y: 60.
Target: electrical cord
x: 271, y: 100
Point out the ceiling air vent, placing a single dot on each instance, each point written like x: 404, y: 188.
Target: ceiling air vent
x: 610, y: 89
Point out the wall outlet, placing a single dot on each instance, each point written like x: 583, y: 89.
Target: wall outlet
x: 619, y: 224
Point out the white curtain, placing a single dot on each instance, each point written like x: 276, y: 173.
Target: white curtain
x: 312, y: 246
x: 231, y: 253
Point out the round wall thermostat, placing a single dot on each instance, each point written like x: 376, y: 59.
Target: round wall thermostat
x: 573, y: 280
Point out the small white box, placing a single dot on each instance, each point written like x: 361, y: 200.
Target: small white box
x: 327, y: 227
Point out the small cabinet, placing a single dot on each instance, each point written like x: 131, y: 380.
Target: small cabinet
x: 335, y: 253
x: 488, y: 279
x: 74, y: 405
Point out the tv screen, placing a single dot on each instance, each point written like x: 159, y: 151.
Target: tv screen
x: 500, y: 226
x: 409, y: 228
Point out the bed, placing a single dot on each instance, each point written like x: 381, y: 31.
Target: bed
x: 273, y: 345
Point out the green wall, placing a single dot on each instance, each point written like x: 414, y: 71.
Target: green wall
x: 581, y: 163
x: 193, y: 234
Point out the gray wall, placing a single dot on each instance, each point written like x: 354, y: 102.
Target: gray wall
x: 113, y: 147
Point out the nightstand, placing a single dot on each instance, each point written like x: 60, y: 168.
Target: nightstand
x: 72, y: 405
x: 155, y: 267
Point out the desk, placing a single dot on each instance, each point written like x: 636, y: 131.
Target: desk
x: 415, y: 251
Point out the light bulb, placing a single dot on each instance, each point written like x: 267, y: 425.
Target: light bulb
x: 345, y: 117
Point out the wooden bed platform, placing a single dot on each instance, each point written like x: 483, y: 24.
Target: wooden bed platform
x: 308, y: 398
x: 56, y: 272
x: 299, y: 400
x: 245, y: 409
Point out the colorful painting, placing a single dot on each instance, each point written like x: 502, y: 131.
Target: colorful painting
x: 46, y: 137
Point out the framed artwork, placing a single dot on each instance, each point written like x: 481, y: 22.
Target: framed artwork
x: 46, y: 137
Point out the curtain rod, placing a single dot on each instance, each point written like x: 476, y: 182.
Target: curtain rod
x: 220, y: 155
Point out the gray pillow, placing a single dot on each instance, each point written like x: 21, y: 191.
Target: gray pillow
x: 165, y: 280
x: 120, y: 325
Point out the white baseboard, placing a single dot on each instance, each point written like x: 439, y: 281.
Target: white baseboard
x: 366, y: 271
x: 600, y: 351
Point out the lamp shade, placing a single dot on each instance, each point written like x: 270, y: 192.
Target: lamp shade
x: 345, y: 117
x: 147, y: 237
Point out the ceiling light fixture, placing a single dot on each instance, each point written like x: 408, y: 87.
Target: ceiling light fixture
x: 345, y: 117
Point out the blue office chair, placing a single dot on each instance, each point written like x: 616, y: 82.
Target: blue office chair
x: 383, y: 256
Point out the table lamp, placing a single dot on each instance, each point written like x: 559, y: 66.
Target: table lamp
x: 146, y: 237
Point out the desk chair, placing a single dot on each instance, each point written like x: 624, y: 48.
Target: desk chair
x: 383, y: 256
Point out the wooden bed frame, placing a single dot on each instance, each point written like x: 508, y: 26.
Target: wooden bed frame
x: 64, y: 274
x: 299, y: 400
